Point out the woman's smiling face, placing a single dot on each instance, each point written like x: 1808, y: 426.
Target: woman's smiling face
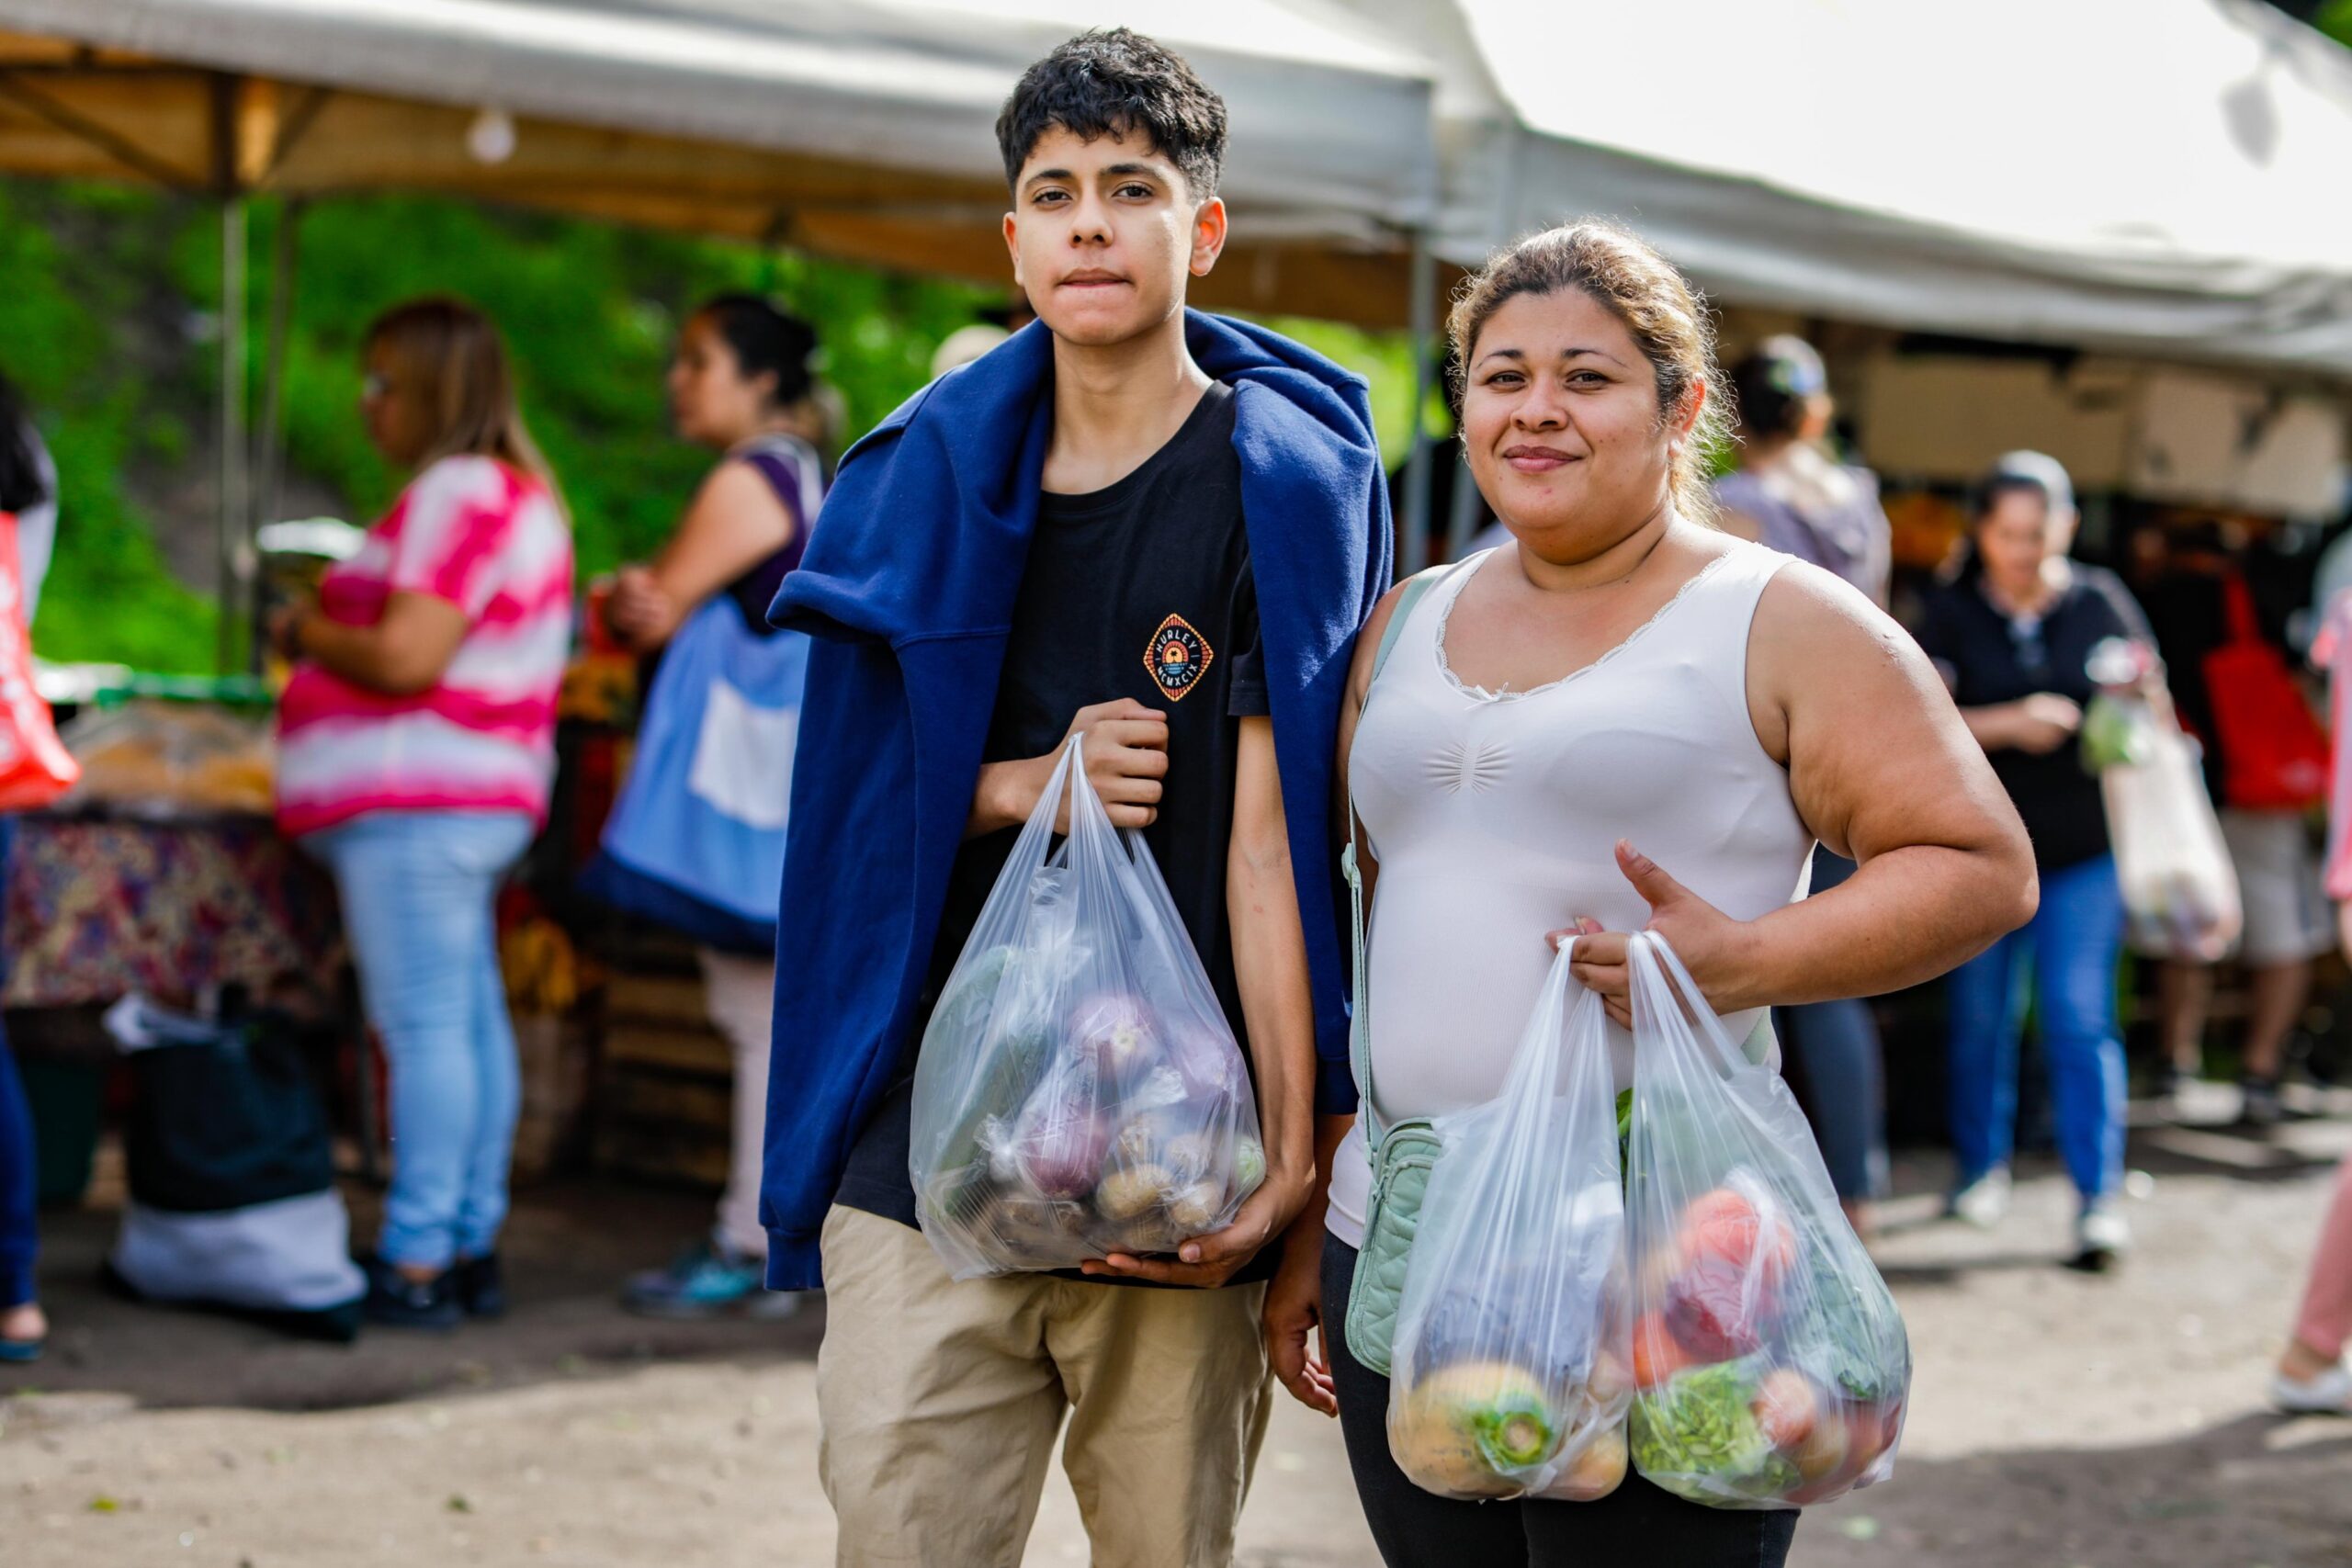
x: 1561, y: 424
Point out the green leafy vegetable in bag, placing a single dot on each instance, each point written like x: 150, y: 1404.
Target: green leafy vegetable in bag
x: 1697, y: 1434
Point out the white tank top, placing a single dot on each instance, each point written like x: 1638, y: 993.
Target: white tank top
x: 1494, y: 818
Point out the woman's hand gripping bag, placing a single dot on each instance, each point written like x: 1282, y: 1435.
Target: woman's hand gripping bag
x: 1770, y: 1366
x: 1512, y: 1368
x: 1079, y: 1091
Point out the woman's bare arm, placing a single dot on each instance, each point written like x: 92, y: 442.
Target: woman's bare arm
x: 734, y: 522
x: 1883, y: 769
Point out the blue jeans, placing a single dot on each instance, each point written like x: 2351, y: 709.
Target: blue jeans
x: 417, y: 889
x: 2067, y: 955
x: 19, y: 1240
x: 1838, y: 1077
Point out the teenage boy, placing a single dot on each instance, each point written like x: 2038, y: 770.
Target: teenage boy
x: 1160, y: 531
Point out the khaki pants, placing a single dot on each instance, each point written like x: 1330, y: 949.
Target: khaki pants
x: 940, y: 1400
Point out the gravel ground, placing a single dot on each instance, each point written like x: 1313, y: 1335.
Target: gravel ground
x: 2059, y: 1419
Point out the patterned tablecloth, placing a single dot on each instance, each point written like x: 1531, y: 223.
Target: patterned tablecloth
x: 97, y: 907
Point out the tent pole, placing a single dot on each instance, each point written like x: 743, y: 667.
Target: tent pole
x: 284, y: 256
x: 234, y: 475
x: 1469, y: 505
x: 1417, y: 458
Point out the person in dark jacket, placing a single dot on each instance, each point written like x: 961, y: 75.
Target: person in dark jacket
x: 2013, y: 635
x: 1154, y: 533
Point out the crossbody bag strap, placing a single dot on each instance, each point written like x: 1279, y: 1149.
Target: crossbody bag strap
x: 1360, y: 1021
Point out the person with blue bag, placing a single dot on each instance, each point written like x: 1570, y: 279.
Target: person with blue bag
x: 697, y: 840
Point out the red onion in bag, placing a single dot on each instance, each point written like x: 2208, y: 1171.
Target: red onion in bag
x: 1061, y: 1142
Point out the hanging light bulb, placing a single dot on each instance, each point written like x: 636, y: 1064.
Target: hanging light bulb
x: 490, y: 137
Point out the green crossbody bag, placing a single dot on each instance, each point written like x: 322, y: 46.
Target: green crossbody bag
x: 1403, y: 1153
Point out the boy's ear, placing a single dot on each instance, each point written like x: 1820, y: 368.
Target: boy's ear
x: 1012, y: 244
x: 1208, y: 236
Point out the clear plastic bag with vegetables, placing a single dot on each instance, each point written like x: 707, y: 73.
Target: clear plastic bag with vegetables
x: 1079, y: 1091
x: 1512, y: 1362
x: 1770, y: 1366
x: 2180, y: 891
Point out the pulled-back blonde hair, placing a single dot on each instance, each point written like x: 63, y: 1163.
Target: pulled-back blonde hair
x: 451, y: 354
x: 1667, y: 317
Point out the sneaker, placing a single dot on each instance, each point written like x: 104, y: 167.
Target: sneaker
x: 1985, y: 1202
x: 2258, y: 1103
x: 2174, y: 1084
x: 480, y: 1286
x: 398, y: 1302
x: 2101, y: 1237
x: 2330, y: 1394
x: 708, y: 1280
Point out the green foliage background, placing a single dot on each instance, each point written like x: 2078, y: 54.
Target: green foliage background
x: 108, y: 312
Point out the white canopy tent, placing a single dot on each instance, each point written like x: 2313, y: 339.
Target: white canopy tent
x: 858, y: 129
x: 2166, y: 179
x: 2166, y: 176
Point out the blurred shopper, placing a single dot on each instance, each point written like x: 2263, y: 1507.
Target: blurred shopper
x: 2312, y: 1376
x: 2012, y: 634
x: 742, y: 385
x: 28, y: 494
x: 1643, y: 724
x: 416, y: 747
x: 1790, y: 492
x: 2226, y: 664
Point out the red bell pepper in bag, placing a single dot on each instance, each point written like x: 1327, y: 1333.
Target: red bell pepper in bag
x: 35, y: 767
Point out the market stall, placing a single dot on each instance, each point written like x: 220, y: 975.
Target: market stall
x: 161, y: 871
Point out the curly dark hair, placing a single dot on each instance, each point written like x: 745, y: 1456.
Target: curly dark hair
x: 1115, y: 82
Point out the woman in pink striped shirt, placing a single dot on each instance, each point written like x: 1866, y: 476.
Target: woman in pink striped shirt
x: 417, y: 745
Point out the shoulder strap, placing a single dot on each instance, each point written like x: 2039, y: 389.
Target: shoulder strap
x: 800, y: 461
x: 1360, y: 1021
x: 1409, y: 595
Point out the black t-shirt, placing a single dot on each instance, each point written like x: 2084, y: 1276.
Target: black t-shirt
x: 1990, y: 660
x: 1142, y: 590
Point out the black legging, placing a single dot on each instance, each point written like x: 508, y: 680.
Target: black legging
x: 1636, y: 1524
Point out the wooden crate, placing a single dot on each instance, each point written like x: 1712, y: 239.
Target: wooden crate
x: 666, y: 1079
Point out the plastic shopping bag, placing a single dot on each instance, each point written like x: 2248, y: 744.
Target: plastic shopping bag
x: 1079, y: 1090
x: 1512, y: 1368
x: 1770, y: 1366
x: 2180, y: 892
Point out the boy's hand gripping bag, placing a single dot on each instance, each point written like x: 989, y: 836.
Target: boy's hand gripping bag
x: 1770, y: 1366
x: 1512, y: 1368
x: 1079, y: 1091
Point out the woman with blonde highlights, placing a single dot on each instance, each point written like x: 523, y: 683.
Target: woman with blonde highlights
x: 1622, y: 720
x: 416, y: 744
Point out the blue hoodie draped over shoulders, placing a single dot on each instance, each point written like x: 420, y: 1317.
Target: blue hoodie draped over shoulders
x: 908, y: 589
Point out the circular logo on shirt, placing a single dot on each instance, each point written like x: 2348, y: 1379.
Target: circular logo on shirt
x: 1177, y: 656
